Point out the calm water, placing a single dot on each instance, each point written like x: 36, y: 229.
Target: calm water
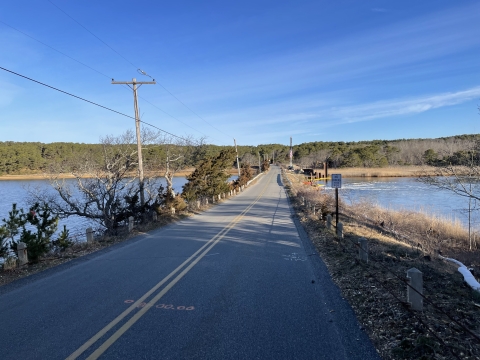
x: 407, y: 193
x: 17, y: 192
x: 395, y: 193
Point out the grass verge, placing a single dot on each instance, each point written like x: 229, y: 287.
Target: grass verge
x: 448, y: 326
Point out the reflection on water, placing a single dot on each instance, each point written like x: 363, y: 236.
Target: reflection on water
x: 409, y: 194
x: 395, y: 193
x: 16, y: 191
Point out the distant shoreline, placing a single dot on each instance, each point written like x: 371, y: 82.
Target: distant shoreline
x: 390, y: 171
x: 182, y: 173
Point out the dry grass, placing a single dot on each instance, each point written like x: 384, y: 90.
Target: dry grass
x: 377, y: 291
x: 428, y: 233
x: 393, y: 171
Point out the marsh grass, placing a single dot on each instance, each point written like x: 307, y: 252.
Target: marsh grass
x: 398, y: 241
x: 422, y: 231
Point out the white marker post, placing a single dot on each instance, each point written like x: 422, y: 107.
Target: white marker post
x: 336, y: 184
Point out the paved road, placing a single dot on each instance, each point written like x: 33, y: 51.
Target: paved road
x: 236, y: 282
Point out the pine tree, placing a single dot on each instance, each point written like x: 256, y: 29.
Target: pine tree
x: 210, y: 176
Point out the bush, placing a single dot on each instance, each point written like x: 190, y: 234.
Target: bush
x: 39, y: 242
x: 63, y: 242
x: 14, y: 229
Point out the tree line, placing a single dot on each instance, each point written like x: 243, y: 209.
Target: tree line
x: 36, y: 157
x: 107, y: 189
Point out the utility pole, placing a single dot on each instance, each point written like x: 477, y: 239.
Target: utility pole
x: 134, y: 87
x: 291, y: 154
x: 238, y: 164
x: 259, y: 167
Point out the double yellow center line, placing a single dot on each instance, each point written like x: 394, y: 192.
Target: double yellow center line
x: 195, y: 257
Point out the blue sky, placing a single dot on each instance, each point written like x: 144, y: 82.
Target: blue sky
x: 259, y: 71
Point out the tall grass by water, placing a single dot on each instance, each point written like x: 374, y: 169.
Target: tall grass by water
x: 429, y: 233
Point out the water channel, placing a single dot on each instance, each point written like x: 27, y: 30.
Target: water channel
x: 394, y: 193
x: 408, y: 194
x: 17, y: 191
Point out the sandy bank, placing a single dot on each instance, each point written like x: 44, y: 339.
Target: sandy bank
x: 182, y: 173
x: 398, y: 171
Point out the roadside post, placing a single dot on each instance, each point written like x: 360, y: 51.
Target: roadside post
x: 336, y: 184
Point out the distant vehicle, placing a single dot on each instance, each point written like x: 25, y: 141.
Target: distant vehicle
x: 290, y: 168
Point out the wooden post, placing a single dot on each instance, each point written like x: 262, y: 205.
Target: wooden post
x: 89, y: 233
x: 130, y: 223
x: 363, y: 249
x: 198, y: 204
x: 22, y: 253
x: 336, y: 205
x: 340, y: 230
x: 415, y: 282
x: 329, y: 221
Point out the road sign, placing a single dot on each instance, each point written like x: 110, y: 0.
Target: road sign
x: 336, y: 181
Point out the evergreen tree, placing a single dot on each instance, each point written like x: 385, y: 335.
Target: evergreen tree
x: 38, y: 242
x: 210, y: 176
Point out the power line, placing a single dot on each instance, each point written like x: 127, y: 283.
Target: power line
x: 181, y: 102
x: 58, y: 51
x: 138, y: 69
x: 88, y: 101
x: 115, y: 51
x: 99, y: 72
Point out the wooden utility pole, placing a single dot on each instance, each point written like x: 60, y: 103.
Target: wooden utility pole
x: 238, y: 164
x: 134, y: 87
x: 291, y: 154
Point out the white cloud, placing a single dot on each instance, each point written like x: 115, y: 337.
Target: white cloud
x: 398, y: 107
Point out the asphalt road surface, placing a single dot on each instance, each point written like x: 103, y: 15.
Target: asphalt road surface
x: 239, y: 281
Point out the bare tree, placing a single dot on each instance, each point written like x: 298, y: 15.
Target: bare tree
x: 104, y: 190
x: 249, y: 159
x: 178, y: 154
x: 461, y: 180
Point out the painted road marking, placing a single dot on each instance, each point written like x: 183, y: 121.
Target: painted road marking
x: 163, y: 306
x: 209, y: 245
x: 294, y: 257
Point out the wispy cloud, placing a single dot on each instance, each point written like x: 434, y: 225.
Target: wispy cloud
x: 398, y: 107
x: 300, y: 117
x: 380, y: 10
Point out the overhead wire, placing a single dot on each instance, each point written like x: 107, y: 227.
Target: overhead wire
x: 139, y: 70
x: 52, y: 48
x: 101, y: 73
x: 90, y: 102
x: 116, y: 52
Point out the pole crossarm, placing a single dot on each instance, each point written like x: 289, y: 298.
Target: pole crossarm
x: 134, y: 82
